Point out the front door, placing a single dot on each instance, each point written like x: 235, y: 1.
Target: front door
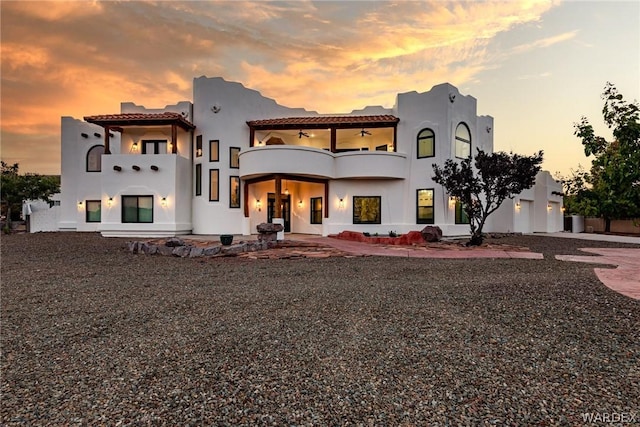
x: 286, y: 209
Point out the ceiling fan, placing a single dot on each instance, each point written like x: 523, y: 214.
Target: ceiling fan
x: 301, y: 134
x: 364, y: 132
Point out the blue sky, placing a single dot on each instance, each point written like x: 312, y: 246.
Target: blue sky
x: 535, y: 66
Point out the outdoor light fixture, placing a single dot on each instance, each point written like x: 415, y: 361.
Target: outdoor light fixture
x: 80, y: 204
x: 258, y: 205
x: 518, y: 205
x: 341, y: 204
x: 163, y: 202
x: 199, y: 152
x: 110, y: 201
x: 452, y: 201
x: 134, y: 146
x: 300, y: 203
x: 549, y: 206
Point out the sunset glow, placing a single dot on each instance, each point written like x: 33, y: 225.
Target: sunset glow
x: 535, y: 66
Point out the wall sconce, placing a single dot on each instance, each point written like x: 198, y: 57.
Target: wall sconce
x: 171, y: 147
x: 341, y: 204
x: 80, y: 204
x: 110, y: 201
x: 163, y: 202
x: 199, y: 152
x: 452, y: 201
x: 549, y: 207
x: 300, y: 204
x: 258, y: 205
x: 518, y: 205
x: 134, y: 146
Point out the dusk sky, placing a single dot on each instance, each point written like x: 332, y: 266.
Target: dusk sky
x: 535, y: 66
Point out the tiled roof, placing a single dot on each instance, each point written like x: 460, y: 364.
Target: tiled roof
x: 140, y: 119
x: 324, y: 121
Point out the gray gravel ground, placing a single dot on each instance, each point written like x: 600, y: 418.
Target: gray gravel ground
x: 93, y: 335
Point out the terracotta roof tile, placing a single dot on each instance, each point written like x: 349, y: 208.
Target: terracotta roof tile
x: 140, y: 119
x: 356, y: 121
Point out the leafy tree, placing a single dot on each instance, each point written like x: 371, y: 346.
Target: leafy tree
x: 16, y: 188
x: 481, y: 190
x: 615, y: 170
x: 576, y: 189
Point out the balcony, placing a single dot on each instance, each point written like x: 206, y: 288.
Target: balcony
x: 317, y: 163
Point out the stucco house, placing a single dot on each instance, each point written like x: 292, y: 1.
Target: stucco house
x: 232, y: 159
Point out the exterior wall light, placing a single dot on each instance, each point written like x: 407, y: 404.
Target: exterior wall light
x: 341, y: 204
x: 80, y: 204
x: 134, y: 146
x: 452, y: 201
x: 258, y: 205
x: 163, y: 202
x: 300, y: 204
x: 549, y: 207
x: 110, y: 201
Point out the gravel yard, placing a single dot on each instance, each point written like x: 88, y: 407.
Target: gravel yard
x: 94, y: 335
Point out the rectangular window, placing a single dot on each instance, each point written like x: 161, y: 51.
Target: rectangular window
x: 424, y: 204
x: 199, y: 146
x: 214, y: 185
x: 234, y: 192
x: 93, y: 211
x: 154, y: 147
x: 234, y: 159
x: 316, y: 210
x: 137, y: 209
x: 366, y: 210
x: 214, y: 150
x: 198, y: 179
x: 461, y: 215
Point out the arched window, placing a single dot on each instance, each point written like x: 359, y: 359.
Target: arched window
x: 94, y: 158
x: 426, y: 143
x: 463, y: 141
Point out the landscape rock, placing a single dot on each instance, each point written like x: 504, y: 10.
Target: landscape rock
x: 431, y: 233
x: 174, y: 242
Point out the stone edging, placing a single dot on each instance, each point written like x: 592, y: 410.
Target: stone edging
x: 177, y: 247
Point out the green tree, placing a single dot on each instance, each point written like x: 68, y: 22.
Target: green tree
x: 614, y: 177
x: 15, y: 188
x: 496, y: 177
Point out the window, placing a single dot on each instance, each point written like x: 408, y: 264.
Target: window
x: 426, y: 143
x: 316, y: 210
x: 199, y: 146
x: 463, y: 141
x: 424, y: 204
x: 137, y: 208
x: 461, y: 215
x: 234, y: 159
x: 198, y: 179
x: 214, y: 185
x: 234, y: 192
x: 154, y: 146
x: 366, y: 210
x: 93, y: 211
x: 214, y: 154
x: 94, y: 158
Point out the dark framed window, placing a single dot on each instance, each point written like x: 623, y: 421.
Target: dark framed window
x: 234, y: 159
x: 198, y: 178
x: 94, y: 158
x: 93, y: 208
x: 199, y: 146
x: 234, y: 191
x: 153, y: 146
x: 316, y: 210
x: 214, y: 185
x: 463, y: 141
x: 214, y: 150
x: 424, y: 206
x: 426, y: 143
x: 137, y: 209
x: 366, y: 209
x: 461, y: 215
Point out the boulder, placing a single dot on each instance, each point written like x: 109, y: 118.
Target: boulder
x: 174, y: 242
x: 431, y: 233
x: 267, y: 227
